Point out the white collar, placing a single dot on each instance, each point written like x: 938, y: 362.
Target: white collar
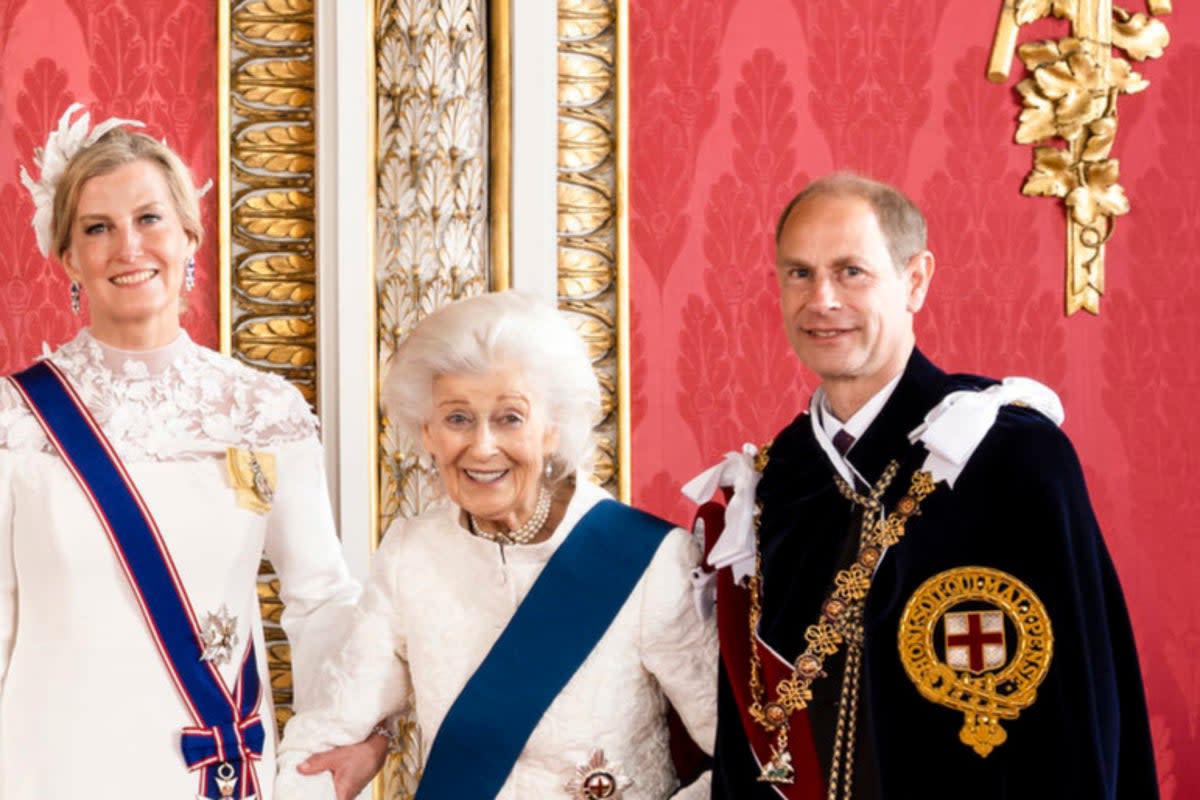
x: 857, y: 425
x: 148, y: 363
x: 825, y: 425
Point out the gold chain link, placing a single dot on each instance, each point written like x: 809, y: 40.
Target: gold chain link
x: 841, y: 617
x: 846, y: 732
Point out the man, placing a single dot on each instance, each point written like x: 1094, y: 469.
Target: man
x: 936, y: 613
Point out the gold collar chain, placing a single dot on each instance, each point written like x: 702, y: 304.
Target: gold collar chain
x: 841, y: 613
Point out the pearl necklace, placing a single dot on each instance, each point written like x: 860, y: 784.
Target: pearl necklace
x: 525, y: 533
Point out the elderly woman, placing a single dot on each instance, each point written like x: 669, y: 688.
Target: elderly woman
x: 142, y: 478
x: 535, y: 628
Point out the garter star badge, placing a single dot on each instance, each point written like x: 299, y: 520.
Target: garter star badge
x: 979, y: 641
x: 596, y: 779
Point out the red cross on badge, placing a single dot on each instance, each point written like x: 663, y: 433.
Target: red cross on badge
x: 975, y: 641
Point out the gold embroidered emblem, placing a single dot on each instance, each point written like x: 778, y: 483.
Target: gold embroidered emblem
x: 973, y: 606
x: 252, y: 476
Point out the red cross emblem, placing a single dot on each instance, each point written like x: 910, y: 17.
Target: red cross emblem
x: 975, y: 641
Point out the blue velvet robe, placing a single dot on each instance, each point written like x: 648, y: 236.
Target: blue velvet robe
x: 1019, y: 506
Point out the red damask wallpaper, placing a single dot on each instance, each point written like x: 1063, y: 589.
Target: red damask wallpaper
x: 736, y: 103
x: 150, y: 60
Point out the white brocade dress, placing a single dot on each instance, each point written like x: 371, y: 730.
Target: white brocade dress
x: 436, y: 602
x: 87, y: 709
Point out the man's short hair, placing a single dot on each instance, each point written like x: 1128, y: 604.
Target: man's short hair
x: 902, y: 223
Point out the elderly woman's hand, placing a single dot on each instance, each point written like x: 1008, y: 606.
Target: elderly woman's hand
x: 353, y: 765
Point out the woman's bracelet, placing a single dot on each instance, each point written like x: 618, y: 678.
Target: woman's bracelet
x: 388, y: 732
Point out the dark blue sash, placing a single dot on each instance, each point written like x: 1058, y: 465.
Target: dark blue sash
x: 570, y: 606
x: 228, y: 734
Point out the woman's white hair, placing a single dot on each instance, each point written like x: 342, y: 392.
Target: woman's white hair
x: 507, y: 329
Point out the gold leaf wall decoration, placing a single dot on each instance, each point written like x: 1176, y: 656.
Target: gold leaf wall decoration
x: 587, y: 203
x: 1070, y: 96
x: 268, y: 310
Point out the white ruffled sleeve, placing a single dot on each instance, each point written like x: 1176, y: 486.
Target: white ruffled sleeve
x: 18, y: 431
x: 364, y: 682
x: 315, y: 584
x: 679, y: 647
x: 8, y: 575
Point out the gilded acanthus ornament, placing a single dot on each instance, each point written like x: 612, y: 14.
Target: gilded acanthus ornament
x: 1070, y: 96
x: 590, y: 236
x: 267, y: 228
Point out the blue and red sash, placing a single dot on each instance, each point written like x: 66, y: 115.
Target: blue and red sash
x: 568, y: 609
x: 228, y: 735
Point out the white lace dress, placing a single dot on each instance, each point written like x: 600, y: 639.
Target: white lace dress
x: 437, y: 600
x: 87, y: 709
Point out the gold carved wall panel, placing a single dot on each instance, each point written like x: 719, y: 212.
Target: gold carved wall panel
x: 591, y: 287
x: 1070, y: 96
x: 267, y: 221
x: 432, y: 168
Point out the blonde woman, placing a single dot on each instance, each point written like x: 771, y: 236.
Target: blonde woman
x: 142, y: 479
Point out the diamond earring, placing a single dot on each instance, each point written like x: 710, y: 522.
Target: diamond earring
x: 75, y: 293
x: 189, y: 274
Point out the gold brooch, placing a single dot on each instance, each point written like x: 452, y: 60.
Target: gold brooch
x: 974, y: 608
x: 252, y: 476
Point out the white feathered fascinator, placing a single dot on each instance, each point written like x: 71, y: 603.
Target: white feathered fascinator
x: 61, y: 145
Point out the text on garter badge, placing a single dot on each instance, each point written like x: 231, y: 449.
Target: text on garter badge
x: 979, y: 641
